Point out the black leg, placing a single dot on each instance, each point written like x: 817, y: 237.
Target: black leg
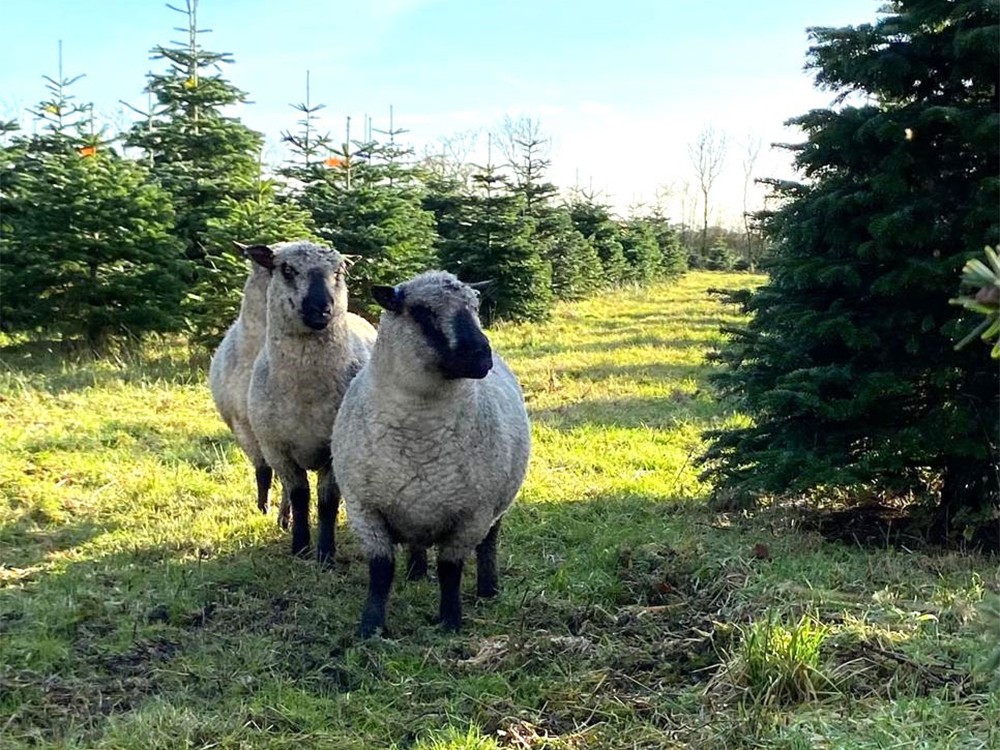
x: 416, y: 563
x: 263, y: 475
x: 486, y: 564
x: 450, y: 581
x: 329, y: 503
x: 380, y: 573
x: 299, y: 497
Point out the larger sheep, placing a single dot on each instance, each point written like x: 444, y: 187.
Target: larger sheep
x: 232, y: 363
x: 431, y: 443
x: 312, y: 349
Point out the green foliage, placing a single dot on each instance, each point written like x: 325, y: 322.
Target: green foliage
x: 986, y: 301
x: 488, y: 236
x: 68, y: 269
x: 594, y: 222
x: 86, y: 242
x: 641, y: 250
x: 719, y: 256
x: 213, y: 301
x: 576, y: 266
x: 207, y: 161
x: 673, y: 257
x: 847, y: 368
x: 378, y: 216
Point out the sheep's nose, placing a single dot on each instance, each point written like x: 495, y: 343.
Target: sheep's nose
x: 317, y: 318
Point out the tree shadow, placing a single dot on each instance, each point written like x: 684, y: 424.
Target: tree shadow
x: 58, y: 367
x: 29, y: 540
x: 628, y: 413
x: 632, y: 588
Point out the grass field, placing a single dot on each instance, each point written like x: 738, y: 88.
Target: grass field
x: 144, y: 603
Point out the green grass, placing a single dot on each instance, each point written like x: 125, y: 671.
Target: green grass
x: 144, y: 603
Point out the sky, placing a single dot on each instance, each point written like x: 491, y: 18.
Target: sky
x: 621, y: 87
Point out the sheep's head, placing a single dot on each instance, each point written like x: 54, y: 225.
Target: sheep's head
x: 438, y: 316
x: 308, y: 289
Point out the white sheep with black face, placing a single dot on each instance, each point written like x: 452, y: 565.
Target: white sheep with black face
x: 431, y: 443
x: 312, y: 349
x: 232, y: 363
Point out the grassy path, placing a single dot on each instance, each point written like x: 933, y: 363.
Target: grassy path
x: 145, y: 604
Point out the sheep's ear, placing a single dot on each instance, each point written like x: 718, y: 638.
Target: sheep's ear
x: 262, y: 255
x: 388, y: 297
x: 480, y: 286
x: 240, y: 248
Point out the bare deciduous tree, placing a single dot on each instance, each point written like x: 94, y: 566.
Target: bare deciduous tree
x: 527, y: 152
x: 707, y: 153
x: 451, y: 156
x: 750, y: 154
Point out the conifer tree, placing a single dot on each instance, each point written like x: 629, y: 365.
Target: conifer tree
x: 203, y: 158
x: 847, y: 368
x: 593, y: 221
x: 490, y: 237
x: 673, y: 257
x: 641, y: 251
x: 367, y: 201
x: 87, y: 248
x: 576, y: 266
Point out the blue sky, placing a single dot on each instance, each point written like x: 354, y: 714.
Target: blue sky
x: 621, y: 86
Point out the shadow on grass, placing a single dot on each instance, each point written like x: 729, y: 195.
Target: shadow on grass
x: 58, y: 367
x: 217, y: 633
x: 655, y: 413
x: 29, y: 541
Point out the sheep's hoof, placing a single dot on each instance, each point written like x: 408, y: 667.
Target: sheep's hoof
x: 264, y: 507
x: 300, y: 544
x: 449, y: 625
x: 371, y: 625
x: 325, y: 557
x: 487, y: 590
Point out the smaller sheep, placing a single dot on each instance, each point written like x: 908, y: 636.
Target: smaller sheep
x: 232, y: 363
x: 312, y: 349
x: 431, y: 443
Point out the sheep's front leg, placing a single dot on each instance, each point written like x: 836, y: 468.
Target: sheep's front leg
x: 450, y: 581
x: 328, y: 503
x: 486, y: 564
x: 298, y: 497
x: 372, y: 532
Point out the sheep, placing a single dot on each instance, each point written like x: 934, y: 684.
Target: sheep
x: 312, y: 349
x: 229, y: 373
x: 431, y: 443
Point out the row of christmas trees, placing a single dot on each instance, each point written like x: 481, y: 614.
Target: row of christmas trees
x: 104, y: 236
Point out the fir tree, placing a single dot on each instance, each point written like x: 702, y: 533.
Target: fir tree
x: 490, y: 237
x: 576, y: 267
x: 641, y: 251
x: 87, y: 248
x: 204, y: 159
x: 594, y: 222
x: 368, y: 203
x: 847, y: 367
x: 673, y: 257
x: 214, y: 299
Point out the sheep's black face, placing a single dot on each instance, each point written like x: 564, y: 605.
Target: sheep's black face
x: 464, y: 354
x: 317, y: 304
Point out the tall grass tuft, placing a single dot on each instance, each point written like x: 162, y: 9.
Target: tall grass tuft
x: 775, y: 664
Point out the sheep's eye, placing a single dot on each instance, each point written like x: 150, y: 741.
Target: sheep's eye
x: 288, y: 272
